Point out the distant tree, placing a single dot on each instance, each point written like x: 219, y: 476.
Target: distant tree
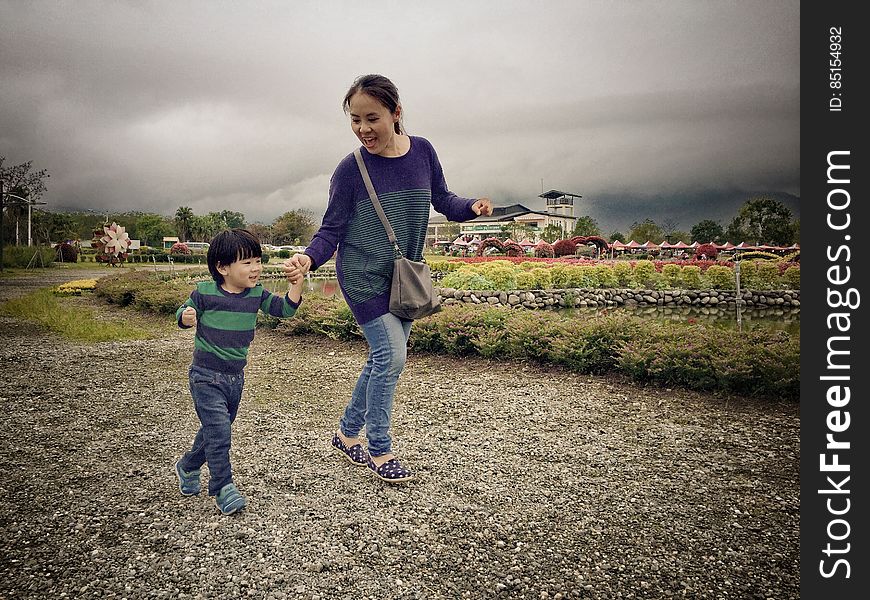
x: 232, y: 219
x: 646, y: 230
x: 796, y: 231
x: 295, y: 227
x: 668, y: 226
x: 203, y: 228
x: 150, y: 229
x: 586, y: 226
x: 616, y: 235
x: 183, y: 221
x: 551, y: 233
x: 678, y: 236
x: 707, y: 231
x: 511, y: 229
x: 735, y: 233
x: 263, y: 232
x: 766, y: 220
x: 51, y: 227
x: 21, y: 181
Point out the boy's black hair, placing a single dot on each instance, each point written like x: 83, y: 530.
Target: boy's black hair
x: 229, y: 246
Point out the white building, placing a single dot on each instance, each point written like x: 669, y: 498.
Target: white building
x: 560, y: 212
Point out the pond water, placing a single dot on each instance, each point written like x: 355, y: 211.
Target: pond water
x: 778, y: 319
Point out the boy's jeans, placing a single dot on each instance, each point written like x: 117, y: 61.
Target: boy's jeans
x: 216, y: 399
x: 372, y: 400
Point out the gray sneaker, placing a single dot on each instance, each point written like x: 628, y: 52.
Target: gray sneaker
x: 188, y: 481
x: 229, y: 500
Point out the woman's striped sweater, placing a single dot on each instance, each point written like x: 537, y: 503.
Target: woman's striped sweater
x: 406, y: 186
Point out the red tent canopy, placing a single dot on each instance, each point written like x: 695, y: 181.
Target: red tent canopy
x: 649, y: 244
x: 665, y: 245
x: 617, y: 244
x: 526, y: 243
x: 633, y: 244
x: 680, y: 245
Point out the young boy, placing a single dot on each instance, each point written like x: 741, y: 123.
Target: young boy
x: 224, y: 312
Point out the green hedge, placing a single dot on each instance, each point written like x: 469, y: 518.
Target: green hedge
x: 23, y: 256
x: 758, y: 362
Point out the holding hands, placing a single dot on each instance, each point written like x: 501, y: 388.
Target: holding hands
x: 295, y: 268
x: 188, y: 317
x: 483, y: 206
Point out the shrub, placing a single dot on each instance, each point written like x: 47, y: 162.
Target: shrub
x: 720, y: 277
x: 525, y: 280
x: 161, y: 299
x: 691, y: 277
x: 768, y: 275
x: 502, y: 277
x: 757, y: 255
x: 27, y: 256
x: 624, y: 274
x: 179, y: 248
x: 560, y: 277
x: 643, y: 273
x: 544, y: 250
x: 706, y: 252
x: 65, y: 252
x: 605, y: 276
x: 467, y: 278
x: 791, y: 278
x: 580, y: 276
x: 564, y: 248
x: 671, y: 273
x: 543, y: 280
x: 761, y: 363
x: 120, y: 289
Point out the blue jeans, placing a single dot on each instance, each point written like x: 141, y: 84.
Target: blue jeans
x: 372, y: 400
x: 216, y: 398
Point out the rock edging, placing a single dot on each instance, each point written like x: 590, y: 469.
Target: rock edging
x: 586, y: 297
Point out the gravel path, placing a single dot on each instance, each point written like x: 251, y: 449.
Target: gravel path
x: 533, y: 482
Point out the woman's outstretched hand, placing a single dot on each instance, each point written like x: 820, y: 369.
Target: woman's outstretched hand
x: 483, y: 207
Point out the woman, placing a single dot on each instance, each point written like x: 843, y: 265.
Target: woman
x: 407, y: 177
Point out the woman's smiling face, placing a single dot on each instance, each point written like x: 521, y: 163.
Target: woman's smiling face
x: 374, y: 124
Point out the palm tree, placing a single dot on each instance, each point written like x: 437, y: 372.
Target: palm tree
x: 183, y: 221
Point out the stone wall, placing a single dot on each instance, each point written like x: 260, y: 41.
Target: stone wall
x: 534, y: 299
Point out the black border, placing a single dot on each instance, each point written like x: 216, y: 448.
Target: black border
x: 824, y: 131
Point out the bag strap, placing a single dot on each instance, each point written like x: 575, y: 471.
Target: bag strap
x: 375, y: 202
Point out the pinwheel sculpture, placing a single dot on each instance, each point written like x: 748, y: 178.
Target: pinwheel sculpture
x: 111, y: 244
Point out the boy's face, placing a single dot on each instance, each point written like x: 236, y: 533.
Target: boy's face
x: 241, y: 274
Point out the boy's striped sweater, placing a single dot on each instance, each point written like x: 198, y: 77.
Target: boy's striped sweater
x: 225, y: 323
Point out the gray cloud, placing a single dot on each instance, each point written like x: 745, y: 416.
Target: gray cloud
x: 150, y: 106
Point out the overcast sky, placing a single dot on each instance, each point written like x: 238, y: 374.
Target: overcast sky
x: 648, y: 109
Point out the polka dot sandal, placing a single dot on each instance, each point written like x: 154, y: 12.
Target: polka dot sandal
x: 391, y: 471
x: 356, y: 454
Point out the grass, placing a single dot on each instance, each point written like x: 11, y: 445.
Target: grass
x: 70, y: 319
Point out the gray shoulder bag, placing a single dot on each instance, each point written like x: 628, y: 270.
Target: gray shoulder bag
x: 411, y: 295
